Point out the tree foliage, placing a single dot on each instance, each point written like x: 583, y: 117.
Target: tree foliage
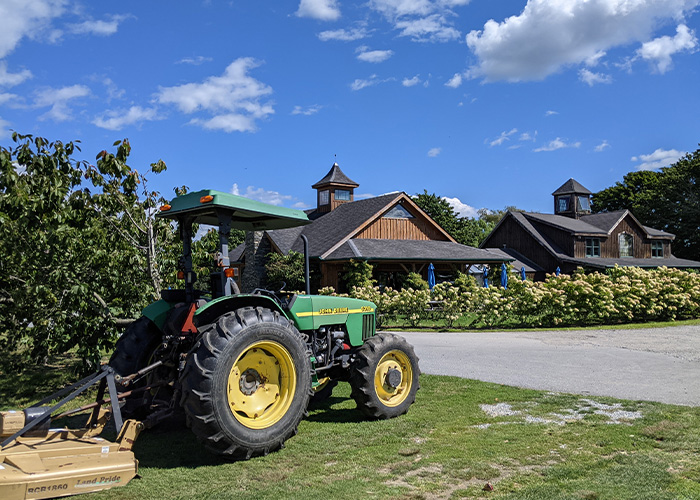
x: 73, y: 261
x: 286, y: 269
x: 668, y: 200
x: 465, y: 230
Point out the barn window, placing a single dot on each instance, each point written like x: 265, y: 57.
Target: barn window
x: 626, y: 245
x: 657, y: 249
x: 592, y: 247
x: 563, y: 203
x: 342, y: 195
x: 398, y: 212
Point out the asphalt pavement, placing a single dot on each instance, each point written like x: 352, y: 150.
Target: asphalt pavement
x: 655, y: 364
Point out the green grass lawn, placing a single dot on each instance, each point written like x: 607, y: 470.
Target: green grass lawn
x: 459, y: 435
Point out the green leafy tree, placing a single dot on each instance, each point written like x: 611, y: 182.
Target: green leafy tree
x: 287, y: 269
x: 73, y: 261
x: 358, y: 273
x: 668, y: 200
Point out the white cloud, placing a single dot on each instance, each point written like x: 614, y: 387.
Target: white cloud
x: 5, y: 97
x: 657, y: 159
x: 4, y: 128
x: 421, y: 20
x: 551, y: 113
x: 527, y: 136
x: 590, y: 78
x: 118, y: 119
x: 308, y: 111
x: 260, y: 194
x: 373, y: 56
x: 323, y: 10
x: 505, y: 136
x: 602, y: 146
x: 101, y: 28
x: 12, y: 79
x: 658, y: 52
x: 234, y: 98
x: 462, y: 209
x: 195, y: 61
x: 549, y: 35
x: 557, y: 143
x: 373, y: 80
x: 28, y: 18
x: 455, y: 81
x: 59, y: 100
x: 343, y: 35
x: 410, y: 82
x: 433, y: 28
x: 433, y: 152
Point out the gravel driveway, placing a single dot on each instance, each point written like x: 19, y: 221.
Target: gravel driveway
x: 657, y: 364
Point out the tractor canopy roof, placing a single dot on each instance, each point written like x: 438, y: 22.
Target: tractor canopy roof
x: 250, y: 215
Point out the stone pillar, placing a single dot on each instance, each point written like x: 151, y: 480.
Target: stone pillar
x: 256, y: 247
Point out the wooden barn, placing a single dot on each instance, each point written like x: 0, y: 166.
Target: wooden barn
x: 390, y: 232
x: 574, y: 237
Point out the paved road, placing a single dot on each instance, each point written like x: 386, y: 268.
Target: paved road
x: 661, y: 364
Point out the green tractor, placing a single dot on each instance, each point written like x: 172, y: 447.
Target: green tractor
x: 244, y: 367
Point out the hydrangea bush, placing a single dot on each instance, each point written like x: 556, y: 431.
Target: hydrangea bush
x: 622, y: 295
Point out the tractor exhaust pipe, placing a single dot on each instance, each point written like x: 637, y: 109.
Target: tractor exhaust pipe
x: 306, y: 264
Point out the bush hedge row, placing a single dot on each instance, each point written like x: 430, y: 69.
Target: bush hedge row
x: 622, y: 295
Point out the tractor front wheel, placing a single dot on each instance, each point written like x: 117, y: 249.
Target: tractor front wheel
x: 384, y: 378
x: 247, y: 383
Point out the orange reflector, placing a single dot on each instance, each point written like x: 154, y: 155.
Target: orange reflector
x: 165, y: 208
x: 206, y: 199
x: 181, y: 275
x: 229, y: 272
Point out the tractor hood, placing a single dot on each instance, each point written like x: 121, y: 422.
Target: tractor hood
x: 247, y: 214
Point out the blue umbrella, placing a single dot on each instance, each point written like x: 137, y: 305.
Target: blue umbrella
x: 431, y: 276
x: 504, y: 275
x: 486, y: 277
x: 522, y: 273
x: 557, y: 271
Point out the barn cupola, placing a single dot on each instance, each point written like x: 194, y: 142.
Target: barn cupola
x: 572, y: 200
x: 334, y: 189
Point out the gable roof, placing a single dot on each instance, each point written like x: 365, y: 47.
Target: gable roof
x: 335, y: 176
x: 571, y: 186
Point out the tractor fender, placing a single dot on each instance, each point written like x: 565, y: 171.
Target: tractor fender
x: 217, y: 307
x: 157, y: 312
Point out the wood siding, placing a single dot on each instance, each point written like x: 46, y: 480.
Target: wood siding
x: 512, y: 235
x: 417, y: 228
x: 562, y: 239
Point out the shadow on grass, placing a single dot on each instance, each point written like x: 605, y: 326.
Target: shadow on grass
x: 335, y: 410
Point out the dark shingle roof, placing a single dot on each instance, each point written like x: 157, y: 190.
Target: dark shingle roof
x: 519, y: 259
x: 328, y: 230
x: 571, y: 186
x: 415, y: 250
x: 605, y: 220
x: 630, y: 262
x: 335, y: 176
x: 577, y: 226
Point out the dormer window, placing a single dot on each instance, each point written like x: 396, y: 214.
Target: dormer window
x: 626, y: 245
x: 657, y: 250
x: 323, y: 198
x: 563, y: 203
x: 342, y: 195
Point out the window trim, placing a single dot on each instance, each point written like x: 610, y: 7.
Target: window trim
x: 626, y: 237
x: 659, y: 250
x: 593, y: 244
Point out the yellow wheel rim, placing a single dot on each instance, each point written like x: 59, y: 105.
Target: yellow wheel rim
x: 393, y: 378
x: 261, y: 384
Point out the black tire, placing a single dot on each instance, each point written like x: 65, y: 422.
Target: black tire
x: 323, y: 391
x: 134, y: 351
x: 221, y: 374
x: 384, y: 377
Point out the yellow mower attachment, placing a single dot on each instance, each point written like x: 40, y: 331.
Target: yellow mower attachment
x: 39, y: 462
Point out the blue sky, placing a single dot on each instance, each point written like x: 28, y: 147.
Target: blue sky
x: 486, y: 103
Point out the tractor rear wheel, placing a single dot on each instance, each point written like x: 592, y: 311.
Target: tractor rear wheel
x: 384, y: 378
x: 133, y: 352
x: 247, y: 383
